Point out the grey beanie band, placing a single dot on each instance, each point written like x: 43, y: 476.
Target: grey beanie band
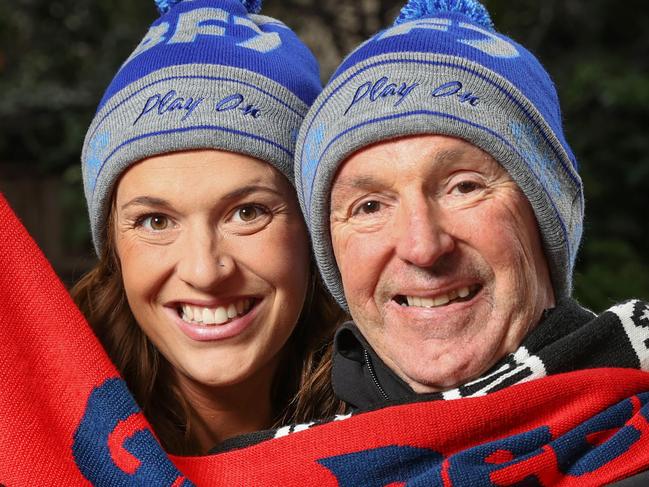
x: 402, y: 93
x: 209, y: 74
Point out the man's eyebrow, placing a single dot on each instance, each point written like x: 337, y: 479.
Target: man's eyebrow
x: 447, y: 156
x: 346, y: 186
x: 365, y: 181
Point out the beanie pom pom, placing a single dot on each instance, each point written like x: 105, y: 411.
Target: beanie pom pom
x: 164, y: 6
x: 474, y: 10
x: 252, y: 6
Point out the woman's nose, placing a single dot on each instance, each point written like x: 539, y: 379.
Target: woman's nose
x: 204, y: 262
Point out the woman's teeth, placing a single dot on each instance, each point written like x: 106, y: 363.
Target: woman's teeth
x: 215, y: 316
x: 439, y: 300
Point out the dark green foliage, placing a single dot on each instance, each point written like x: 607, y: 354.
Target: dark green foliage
x: 56, y: 58
x: 598, y: 56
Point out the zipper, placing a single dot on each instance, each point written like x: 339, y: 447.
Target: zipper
x: 373, y: 375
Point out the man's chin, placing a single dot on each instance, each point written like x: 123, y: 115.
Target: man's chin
x: 439, y: 376
x: 448, y: 322
x: 441, y: 348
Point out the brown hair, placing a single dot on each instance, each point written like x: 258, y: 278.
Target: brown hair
x: 301, y: 390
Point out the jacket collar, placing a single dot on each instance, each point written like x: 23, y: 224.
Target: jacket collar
x: 359, y: 376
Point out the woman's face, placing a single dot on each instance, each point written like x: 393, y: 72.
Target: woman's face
x: 215, y: 261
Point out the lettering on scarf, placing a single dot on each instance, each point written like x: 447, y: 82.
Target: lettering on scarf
x: 170, y: 102
x: 381, y: 90
x: 113, y: 441
x: 534, y: 457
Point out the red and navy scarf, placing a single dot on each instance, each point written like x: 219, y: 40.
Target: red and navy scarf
x: 67, y: 418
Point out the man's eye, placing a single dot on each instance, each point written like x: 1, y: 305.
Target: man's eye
x: 155, y: 223
x: 249, y: 213
x: 369, y: 207
x: 466, y: 187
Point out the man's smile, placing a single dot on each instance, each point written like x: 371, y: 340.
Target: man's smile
x: 460, y: 294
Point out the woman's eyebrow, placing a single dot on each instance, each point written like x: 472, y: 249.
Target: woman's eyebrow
x: 147, y: 201
x: 232, y: 195
x: 247, y: 190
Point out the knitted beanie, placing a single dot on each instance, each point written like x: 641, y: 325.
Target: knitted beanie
x: 443, y: 69
x: 209, y: 74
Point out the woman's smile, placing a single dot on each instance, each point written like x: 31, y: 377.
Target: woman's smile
x: 215, y: 315
x: 204, y: 327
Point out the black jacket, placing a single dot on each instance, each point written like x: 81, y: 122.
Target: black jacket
x: 359, y: 377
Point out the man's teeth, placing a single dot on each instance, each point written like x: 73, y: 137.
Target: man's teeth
x: 440, y: 300
x: 215, y: 316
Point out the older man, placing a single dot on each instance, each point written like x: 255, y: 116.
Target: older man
x: 443, y: 199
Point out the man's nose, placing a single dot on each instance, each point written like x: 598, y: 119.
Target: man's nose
x: 204, y: 261
x: 421, y: 234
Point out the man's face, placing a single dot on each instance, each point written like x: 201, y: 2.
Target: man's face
x: 440, y: 257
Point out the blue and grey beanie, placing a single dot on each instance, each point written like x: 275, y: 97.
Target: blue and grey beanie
x: 443, y: 69
x: 209, y: 74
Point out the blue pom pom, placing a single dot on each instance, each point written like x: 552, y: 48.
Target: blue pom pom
x: 165, y: 5
x: 252, y: 6
x: 416, y: 9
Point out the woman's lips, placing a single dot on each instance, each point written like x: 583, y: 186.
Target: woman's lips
x: 210, y: 330
x: 215, y: 315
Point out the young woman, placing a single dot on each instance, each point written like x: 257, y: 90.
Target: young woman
x: 204, y: 295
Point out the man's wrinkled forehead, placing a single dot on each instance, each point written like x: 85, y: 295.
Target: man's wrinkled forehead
x: 359, y: 171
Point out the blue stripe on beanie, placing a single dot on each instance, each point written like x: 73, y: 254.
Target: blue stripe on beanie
x: 442, y: 69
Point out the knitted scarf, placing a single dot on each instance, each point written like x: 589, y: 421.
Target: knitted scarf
x: 67, y: 418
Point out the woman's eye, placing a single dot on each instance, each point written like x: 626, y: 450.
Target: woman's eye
x: 155, y: 223
x: 249, y: 213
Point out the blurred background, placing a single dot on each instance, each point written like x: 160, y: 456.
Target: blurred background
x: 57, y: 57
